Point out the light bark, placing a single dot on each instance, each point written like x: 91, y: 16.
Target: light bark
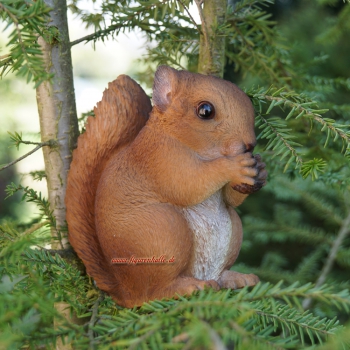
x: 58, y: 121
x: 58, y: 117
x: 212, y: 42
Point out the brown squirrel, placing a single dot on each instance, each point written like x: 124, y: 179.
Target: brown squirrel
x: 154, y: 183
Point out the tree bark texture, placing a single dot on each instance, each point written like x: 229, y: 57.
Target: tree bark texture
x: 212, y: 42
x: 58, y: 121
x: 58, y: 117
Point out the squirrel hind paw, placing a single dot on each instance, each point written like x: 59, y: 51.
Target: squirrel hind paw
x: 235, y: 280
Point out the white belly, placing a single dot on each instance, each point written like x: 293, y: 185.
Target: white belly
x: 211, y: 225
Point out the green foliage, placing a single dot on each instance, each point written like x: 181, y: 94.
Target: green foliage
x: 17, y: 140
x: 38, y: 175
x: 43, y: 205
x: 295, y: 240
x: 245, y: 318
x: 267, y: 316
x: 252, y: 41
x: 279, y: 136
x: 179, y: 40
x: 26, y: 20
x: 291, y: 227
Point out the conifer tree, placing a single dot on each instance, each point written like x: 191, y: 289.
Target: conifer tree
x: 303, y: 135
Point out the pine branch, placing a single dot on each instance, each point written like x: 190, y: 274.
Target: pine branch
x: 29, y: 21
x: 63, y: 276
x: 295, y: 323
x: 279, y: 139
x: 256, y: 312
x: 315, y: 80
x: 264, y: 231
x: 320, y: 204
x: 99, y: 34
x: 93, y: 320
x: 252, y: 41
x: 308, y: 268
x: 190, y: 16
x: 66, y: 253
x: 32, y: 196
x: 279, y: 136
x: 37, y: 175
x: 300, y: 106
x: 129, y: 18
x: 343, y: 257
x: 262, y: 342
x: 164, y: 56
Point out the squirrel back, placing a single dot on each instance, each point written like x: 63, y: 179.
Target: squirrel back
x: 119, y: 117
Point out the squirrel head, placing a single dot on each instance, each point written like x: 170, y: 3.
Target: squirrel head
x: 210, y: 115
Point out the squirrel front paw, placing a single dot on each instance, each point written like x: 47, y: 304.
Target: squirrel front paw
x: 258, y: 179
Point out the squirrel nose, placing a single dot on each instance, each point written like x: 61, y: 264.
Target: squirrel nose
x: 249, y: 147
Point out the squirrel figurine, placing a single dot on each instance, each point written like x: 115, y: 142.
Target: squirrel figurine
x: 148, y: 184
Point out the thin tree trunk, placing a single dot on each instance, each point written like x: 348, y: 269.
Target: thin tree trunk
x: 58, y: 117
x: 212, y: 44
x: 58, y: 121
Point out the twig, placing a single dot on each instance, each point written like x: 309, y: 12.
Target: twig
x: 192, y: 19
x: 42, y: 144
x: 35, y: 143
x: 111, y: 28
x: 4, y: 56
x: 96, y: 35
x: 343, y: 232
x: 93, y: 320
x: 204, y: 26
x: 35, y: 227
x: 310, y: 114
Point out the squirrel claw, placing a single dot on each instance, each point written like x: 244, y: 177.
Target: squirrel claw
x: 249, y: 189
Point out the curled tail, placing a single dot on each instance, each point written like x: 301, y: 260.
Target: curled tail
x: 119, y: 117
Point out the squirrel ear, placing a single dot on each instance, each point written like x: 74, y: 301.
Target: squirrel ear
x: 164, y: 87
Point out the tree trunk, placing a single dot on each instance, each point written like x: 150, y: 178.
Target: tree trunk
x: 58, y: 121
x: 212, y: 44
x: 58, y: 116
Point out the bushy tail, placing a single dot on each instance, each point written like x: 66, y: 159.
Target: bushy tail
x: 119, y: 117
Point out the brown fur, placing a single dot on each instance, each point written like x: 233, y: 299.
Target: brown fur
x: 132, y: 180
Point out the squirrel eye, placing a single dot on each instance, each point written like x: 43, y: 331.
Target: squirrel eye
x: 205, y: 110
